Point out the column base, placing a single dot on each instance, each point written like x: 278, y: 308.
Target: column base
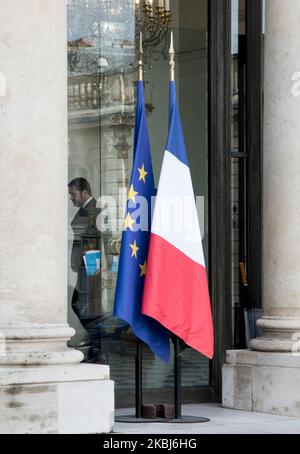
x: 280, y: 334
x: 37, y: 345
x: 71, y: 399
x: 262, y: 382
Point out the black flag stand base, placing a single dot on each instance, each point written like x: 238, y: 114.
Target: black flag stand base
x: 183, y: 420
x: 139, y: 416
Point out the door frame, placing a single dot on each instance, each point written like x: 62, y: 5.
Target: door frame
x: 219, y: 152
x: 219, y: 41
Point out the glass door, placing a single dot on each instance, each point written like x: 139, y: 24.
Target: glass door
x: 102, y: 59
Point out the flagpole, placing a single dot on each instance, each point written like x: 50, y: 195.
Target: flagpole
x: 138, y: 379
x: 138, y: 356
x: 177, y: 353
x: 177, y: 378
x: 140, y: 62
x: 172, y: 59
x: 179, y: 418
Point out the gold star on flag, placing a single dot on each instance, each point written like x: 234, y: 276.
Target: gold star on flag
x: 134, y: 249
x: 128, y: 223
x: 131, y: 194
x: 143, y: 269
x: 143, y: 173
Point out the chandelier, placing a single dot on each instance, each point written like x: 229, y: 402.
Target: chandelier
x: 153, y: 21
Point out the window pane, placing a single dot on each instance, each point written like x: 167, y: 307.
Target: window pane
x: 101, y: 94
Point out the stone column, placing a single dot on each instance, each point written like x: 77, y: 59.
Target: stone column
x: 54, y: 393
x: 268, y: 379
x: 281, y: 181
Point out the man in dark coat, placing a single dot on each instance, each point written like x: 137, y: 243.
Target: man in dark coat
x: 86, y: 299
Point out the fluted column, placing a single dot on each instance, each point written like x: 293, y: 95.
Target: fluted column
x: 33, y: 144
x: 281, y: 182
x: 54, y: 392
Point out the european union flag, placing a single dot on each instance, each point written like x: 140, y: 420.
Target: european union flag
x: 135, y: 242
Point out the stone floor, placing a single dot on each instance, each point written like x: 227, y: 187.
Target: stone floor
x: 222, y: 421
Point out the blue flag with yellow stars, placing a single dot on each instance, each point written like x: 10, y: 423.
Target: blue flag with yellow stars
x: 135, y: 242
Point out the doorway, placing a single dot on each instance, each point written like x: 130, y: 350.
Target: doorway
x: 102, y: 56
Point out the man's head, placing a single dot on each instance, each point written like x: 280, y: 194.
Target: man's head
x: 80, y: 191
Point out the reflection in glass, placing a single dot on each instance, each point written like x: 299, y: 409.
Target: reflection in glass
x: 238, y: 169
x: 101, y: 60
x: 101, y: 102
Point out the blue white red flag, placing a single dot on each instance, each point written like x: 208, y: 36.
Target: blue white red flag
x: 176, y: 291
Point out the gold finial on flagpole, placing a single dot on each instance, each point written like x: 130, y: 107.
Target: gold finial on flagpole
x: 172, y: 59
x: 140, y: 62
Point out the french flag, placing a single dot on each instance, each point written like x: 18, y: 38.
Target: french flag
x: 176, y: 291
